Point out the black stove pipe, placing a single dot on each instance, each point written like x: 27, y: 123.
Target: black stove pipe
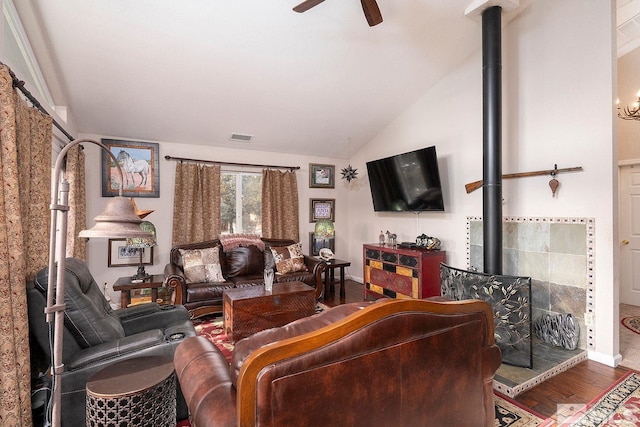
x: 492, y: 139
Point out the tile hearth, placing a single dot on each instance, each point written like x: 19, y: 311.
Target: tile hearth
x: 548, y: 361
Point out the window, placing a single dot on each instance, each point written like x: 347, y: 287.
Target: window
x: 241, y: 202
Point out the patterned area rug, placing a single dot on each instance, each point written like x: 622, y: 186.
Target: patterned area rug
x: 618, y: 406
x: 508, y: 412
x: 632, y: 323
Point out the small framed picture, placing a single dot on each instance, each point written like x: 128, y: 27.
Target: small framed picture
x: 322, y: 209
x: 321, y: 176
x: 138, y: 162
x: 121, y: 255
x: 316, y: 244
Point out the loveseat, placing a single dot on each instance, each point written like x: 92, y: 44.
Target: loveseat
x: 387, y: 363
x: 239, y: 266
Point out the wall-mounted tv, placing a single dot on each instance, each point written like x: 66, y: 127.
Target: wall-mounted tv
x: 406, y: 182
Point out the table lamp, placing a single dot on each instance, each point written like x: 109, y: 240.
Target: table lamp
x: 118, y: 220
x: 142, y: 243
x: 324, y: 232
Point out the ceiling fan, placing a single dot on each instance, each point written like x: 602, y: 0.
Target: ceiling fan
x: 370, y: 8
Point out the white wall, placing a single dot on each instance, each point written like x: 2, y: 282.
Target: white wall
x: 162, y: 218
x: 558, y: 91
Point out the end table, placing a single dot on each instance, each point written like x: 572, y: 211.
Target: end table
x: 125, y: 285
x: 329, y: 275
x: 133, y: 392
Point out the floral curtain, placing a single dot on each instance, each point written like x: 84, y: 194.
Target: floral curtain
x: 280, y: 219
x: 196, y: 204
x: 25, y: 182
x: 77, y: 215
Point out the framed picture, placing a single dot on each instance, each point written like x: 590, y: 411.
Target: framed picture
x: 322, y: 209
x: 321, y: 176
x: 121, y: 255
x: 316, y: 245
x: 140, y: 169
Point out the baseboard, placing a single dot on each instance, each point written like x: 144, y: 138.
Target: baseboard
x: 605, y: 359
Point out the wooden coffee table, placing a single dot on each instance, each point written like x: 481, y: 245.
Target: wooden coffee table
x: 250, y: 310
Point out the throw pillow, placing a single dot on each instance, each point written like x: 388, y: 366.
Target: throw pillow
x: 202, y: 265
x: 289, y: 259
x: 243, y: 261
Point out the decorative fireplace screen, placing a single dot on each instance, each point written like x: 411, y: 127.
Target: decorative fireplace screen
x: 510, y: 299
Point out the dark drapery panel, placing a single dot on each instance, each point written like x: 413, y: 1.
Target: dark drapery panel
x: 280, y: 219
x: 25, y: 193
x: 196, y: 204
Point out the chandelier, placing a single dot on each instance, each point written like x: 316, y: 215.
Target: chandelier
x: 630, y: 113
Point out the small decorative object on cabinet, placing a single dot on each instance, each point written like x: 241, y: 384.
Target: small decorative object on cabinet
x: 401, y: 273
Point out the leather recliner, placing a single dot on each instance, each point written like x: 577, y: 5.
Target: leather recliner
x: 96, y: 336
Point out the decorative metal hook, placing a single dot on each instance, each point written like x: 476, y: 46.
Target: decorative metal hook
x: 554, y: 183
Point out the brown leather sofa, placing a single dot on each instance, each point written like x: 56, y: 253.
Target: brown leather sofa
x: 388, y: 363
x: 241, y: 267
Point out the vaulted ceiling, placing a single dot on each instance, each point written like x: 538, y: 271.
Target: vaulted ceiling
x: 197, y: 71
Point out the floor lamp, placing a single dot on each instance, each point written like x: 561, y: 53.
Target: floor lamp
x: 118, y: 220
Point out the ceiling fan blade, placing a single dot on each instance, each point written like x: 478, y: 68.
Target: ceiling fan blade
x: 306, y: 5
x: 371, y: 12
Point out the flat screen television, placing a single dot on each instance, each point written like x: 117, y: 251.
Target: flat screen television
x: 406, y: 182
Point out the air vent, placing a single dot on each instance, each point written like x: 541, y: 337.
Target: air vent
x: 238, y: 137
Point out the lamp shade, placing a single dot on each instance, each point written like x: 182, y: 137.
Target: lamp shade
x: 144, y: 242
x: 324, y: 229
x: 118, y: 220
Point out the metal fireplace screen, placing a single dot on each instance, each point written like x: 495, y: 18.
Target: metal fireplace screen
x: 510, y: 299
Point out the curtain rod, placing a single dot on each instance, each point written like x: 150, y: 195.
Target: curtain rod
x: 19, y: 84
x: 292, y: 168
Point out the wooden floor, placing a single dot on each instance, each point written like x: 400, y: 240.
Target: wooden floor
x: 577, y: 386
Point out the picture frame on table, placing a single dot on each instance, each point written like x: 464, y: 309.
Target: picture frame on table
x: 121, y: 255
x: 316, y: 245
x: 140, y: 168
x: 322, y: 209
x: 321, y: 176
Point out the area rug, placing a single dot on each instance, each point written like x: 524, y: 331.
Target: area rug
x: 632, y: 323
x: 508, y: 412
x: 618, y: 406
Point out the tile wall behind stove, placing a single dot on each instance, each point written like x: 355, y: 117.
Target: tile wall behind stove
x: 557, y: 253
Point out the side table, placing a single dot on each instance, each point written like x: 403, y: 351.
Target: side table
x: 329, y: 275
x: 125, y: 286
x: 133, y: 392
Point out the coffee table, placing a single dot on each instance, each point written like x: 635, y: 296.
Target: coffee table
x: 252, y: 309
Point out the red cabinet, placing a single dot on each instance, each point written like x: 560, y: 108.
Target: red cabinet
x: 401, y: 273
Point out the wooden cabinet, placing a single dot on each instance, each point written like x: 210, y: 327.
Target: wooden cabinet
x: 252, y: 309
x: 401, y: 273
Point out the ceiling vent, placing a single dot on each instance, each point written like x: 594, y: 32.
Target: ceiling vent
x: 238, y: 137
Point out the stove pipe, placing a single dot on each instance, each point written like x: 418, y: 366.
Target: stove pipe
x: 492, y: 139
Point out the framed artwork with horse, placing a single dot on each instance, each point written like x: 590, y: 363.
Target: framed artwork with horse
x: 140, y: 169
